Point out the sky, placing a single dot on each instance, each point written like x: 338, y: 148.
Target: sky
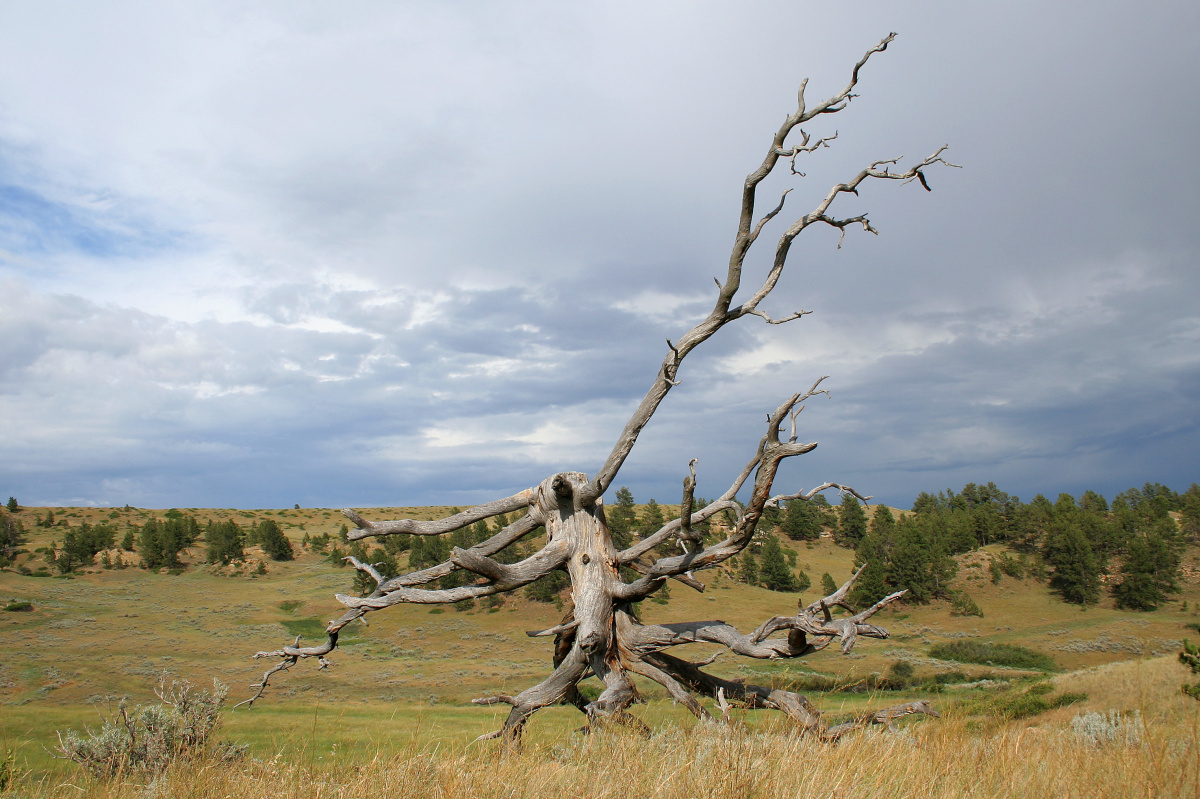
x: 256, y: 254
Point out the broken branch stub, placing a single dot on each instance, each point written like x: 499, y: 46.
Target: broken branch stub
x: 601, y: 636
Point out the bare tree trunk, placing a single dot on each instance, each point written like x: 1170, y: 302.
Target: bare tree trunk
x: 601, y: 636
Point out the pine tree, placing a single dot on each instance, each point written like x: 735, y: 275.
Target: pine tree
x: 871, y: 585
x: 803, y: 581
x: 12, y: 505
x: 748, y: 568
x: 771, y: 518
x: 883, y: 524
x: 652, y: 518
x: 12, y: 537
x: 1189, y: 510
x: 802, y: 521
x: 156, y: 551
x: 852, y: 522
x: 828, y: 586
x: 223, y: 542
x: 1150, y: 573
x: 1076, y: 569
x: 911, y: 566
x: 622, y: 519
x: 774, y: 572
x: 273, y: 541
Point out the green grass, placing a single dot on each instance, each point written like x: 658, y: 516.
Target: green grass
x: 114, y: 632
x: 993, y: 654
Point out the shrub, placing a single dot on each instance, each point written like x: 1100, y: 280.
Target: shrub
x: 992, y: 654
x: 1190, y: 657
x: 961, y: 604
x: 8, y: 769
x: 17, y: 606
x: 151, y: 737
x: 1098, y: 729
x: 1034, y: 701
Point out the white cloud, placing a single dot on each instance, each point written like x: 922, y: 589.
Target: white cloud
x: 251, y: 254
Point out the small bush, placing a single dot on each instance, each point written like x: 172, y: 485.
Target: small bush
x: 900, y: 674
x: 1190, y: 657
x: 1033, y: 701
x: 961, y: 604
x: 151, y: 737
x: 992, y: 654
x: 1099, y: 729
x: 17, y: 606
x: 8, y: 769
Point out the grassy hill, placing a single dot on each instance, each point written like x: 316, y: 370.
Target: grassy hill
x: 406, y: 679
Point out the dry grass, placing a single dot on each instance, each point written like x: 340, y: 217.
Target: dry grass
x: 111, y: 632
x: 928, y: 760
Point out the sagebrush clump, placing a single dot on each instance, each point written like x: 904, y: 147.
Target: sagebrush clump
x: 151, y: 737
x: 1098, y: 729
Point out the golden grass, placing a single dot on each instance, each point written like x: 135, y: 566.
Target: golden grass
x: 109, y: 632
x: 927, y: 760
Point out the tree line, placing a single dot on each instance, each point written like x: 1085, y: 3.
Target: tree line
x: 1131, y: 547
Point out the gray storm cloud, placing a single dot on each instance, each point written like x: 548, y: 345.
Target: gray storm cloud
x: 256, y: 254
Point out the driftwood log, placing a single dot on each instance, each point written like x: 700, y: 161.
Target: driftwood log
x: 601, y: 636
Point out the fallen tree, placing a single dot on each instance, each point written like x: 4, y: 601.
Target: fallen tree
x: 601, y: 635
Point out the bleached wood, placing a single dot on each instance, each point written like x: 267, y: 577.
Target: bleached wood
x: 601, y: 636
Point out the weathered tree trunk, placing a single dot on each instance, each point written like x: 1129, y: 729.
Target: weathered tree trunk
x: 601, y: 637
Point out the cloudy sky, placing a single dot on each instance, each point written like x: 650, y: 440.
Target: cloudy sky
x: 255, y: 254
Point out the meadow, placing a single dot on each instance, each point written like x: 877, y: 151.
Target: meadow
x: 393, y: 714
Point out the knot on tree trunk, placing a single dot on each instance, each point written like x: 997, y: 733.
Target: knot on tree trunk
x: 592, y: 642
x: 563, y: 490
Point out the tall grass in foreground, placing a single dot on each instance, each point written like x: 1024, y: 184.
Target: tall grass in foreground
x: 933, y: 760
x: 1156, y: 755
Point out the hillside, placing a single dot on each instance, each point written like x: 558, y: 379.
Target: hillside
x: 109, y: 632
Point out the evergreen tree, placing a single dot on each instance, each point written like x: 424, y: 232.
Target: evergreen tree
x: 12, y: 505
x: 926, y: 503
x: 871, y: 585
x: 12, y: 537
x: 652, y: 518
x: 156, y: 549
x: 803, y: 581
x: 395, y: 544
x: 622, y: 519
x: 1075, y: 568
x: 273, y: 541
x: 911, y: 564
x: 1189, y: 510
x: 748, y: 568
x: 1150, y: 573
x: 1091, y: 502
x: 825, y: 512
x: 852, y: 522
x: 380, y: 558
x: 223, y: 542
x: 828, y: 586
x: 127, y: 541
x: 547, y: 587
x: 883, y: 524
x: 802, y: 521
x: 774, y: 572
x: 957, y: 528
x: 771, y: 518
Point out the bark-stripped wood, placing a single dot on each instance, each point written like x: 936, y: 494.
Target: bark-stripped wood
x: 601, y: 636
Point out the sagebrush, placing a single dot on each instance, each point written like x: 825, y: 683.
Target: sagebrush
x: 151, y: 737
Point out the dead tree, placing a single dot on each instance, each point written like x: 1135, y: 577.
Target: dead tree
x: 601, y: 635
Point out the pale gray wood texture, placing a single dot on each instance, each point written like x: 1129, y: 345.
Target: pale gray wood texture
x: 601, y: 636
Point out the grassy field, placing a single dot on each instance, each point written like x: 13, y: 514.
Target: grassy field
x: 400, y: 688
